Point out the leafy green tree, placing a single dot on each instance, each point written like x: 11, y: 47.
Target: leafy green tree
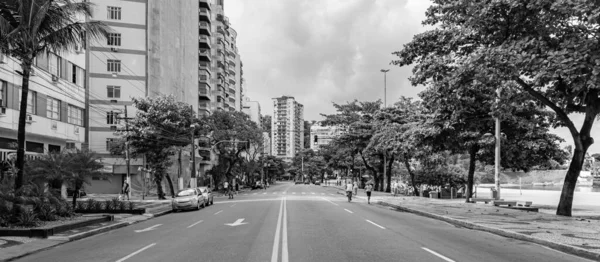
x: 160, y: 127
x: 30, y: 27
x: 231, y: 134
x: 548, y: 48
x: 75, y: 168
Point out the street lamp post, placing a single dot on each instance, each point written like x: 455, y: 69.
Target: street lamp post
x: 497, y: 151
x: 384, y: 71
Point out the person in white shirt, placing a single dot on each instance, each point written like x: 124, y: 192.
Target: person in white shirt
x: 349, y: 188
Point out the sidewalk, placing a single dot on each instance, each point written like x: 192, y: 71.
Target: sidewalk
x: 12, y: 248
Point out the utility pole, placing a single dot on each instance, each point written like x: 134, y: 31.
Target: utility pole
x: 497, y: 151
x: 193, y: 182
x: 127, y: 158
x: 384, y: 106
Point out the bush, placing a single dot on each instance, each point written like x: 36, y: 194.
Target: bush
x: 65, y: 210
x: 97, y: 205
x: 122, y: 206
x: 109, y: 205
x: 5, y: 213
x: 27, y: 218
x: 90, y: 204
x: 131, y: 205
x: 116, y: 203
x: 80, y: 205
x: 45, y: 212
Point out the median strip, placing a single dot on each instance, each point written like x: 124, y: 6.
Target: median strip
x: 136, y: 252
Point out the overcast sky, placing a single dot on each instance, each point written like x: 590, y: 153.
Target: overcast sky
x: 324, y: 51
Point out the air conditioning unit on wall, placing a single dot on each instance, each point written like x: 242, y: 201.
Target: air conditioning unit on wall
x: 29, y: 119
x: 76, y: 130
x: 54, y: 125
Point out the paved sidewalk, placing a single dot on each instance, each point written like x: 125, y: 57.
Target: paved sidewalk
x: 12, y: 248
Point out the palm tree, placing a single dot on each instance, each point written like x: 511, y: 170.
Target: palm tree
x: 29, y: 27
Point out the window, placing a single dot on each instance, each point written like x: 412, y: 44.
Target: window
x: 75, y: 115
x: 112, y: 118
x: 53, y: 61
x: 3, y: 86
x: 53, y: 108
x: 114, y: 13
x: 113, y: 91
x: 113, y: 65
x: 203, y: 77
x: 109, y: 143
x: 53, y: 148
x: 31, y: 102
x: 77, y: 75
x: 114, y: 39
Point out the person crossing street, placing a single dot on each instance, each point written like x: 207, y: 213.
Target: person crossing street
x: 368, y: 190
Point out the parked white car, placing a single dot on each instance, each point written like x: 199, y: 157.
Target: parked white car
x: 190, y: 198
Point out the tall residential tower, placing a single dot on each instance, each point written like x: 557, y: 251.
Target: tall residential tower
x: 287, y: 127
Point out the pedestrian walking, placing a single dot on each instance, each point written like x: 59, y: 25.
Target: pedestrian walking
x: 230, y: 191
x: 394, y: 185
x: 125, y: 190
x: 349, y: 188
x: 368, y: 190
x: 225, y: 187
x: 355, y: 188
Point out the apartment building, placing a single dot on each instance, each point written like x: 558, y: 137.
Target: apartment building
x: 287, y: 127
x: 146, y: 54
x: 252, y: 109
x: 55, y: 104
x: 321, y: 135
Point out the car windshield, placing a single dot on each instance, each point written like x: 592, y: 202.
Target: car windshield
x: 189, y: 192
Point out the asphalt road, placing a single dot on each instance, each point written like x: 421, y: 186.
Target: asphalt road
x: 291, y: 222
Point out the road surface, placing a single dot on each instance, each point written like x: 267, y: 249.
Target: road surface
x: 291, y: 222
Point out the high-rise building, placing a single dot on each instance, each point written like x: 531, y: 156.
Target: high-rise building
x: 55, y: 104
x: 147, y: 53
x: 323, y: 135
x: 287, y: 127
x: 185, y: 48
x: 252, y: 109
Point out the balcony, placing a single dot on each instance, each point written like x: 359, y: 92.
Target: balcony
x: 204, y: 14
x: 231, y: 71
x: 204, y: 106
x: 204, y: 4
x: 231, y: 82
x: 204, y: 55
x: 204, y: 91
x: 231, y: 90
x: 204, y: 41
x: 232, y: 100
x: 203, y: 67
x: 204, y: 28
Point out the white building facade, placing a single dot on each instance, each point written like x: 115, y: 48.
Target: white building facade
x: 55, y: 104
x: 323, y: 135
x: 287, y: 127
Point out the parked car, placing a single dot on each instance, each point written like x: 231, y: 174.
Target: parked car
x: 307, y: 182
x: 208, y: 195
x: 298, y: 182
x: 317, y: 183
x: 70, y: 192
x: 189, y: 198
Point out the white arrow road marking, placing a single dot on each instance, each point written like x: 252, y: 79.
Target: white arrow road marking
x: 148, y: 229
x: 195, y: 224
x: 437, y: 254
x: 136, y: 252
x: 237, y: 223
x: 375, y: 224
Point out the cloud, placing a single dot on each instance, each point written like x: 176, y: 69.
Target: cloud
x: 323, y: 51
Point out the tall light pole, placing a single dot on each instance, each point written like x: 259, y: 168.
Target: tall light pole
x: 497, y: 151
x: 384, y: 71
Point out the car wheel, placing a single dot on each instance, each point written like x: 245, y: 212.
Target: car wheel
x: 212, y: 201
x: 203, y: 204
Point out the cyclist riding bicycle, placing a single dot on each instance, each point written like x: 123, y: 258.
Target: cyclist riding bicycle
x: 349, y: 188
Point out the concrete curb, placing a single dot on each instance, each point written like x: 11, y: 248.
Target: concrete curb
x: 161, y: 213
x: 89, y: 233
x: 501, y: 232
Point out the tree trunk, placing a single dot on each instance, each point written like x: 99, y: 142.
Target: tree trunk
x: 388, y: 187
x: 159, y: 189
x: 412, y: 175
x: 471, y: 175
x: 566, y: 197
x: 20, y: 180
x: 75, y: 196
x: 171, y: 185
